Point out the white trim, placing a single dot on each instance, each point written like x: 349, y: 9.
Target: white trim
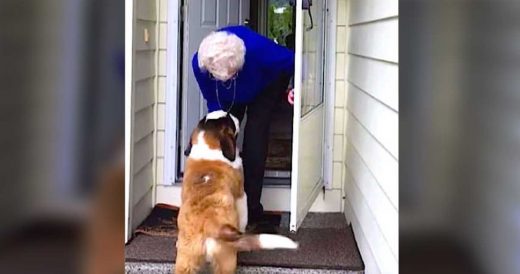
x: 156, y: 101
x: 297, y: 113
x: 172, y: 91
x: 169, y: 194
x: 129, y: 14
x: 330, y: 91
x: 277, y: 173
x: 274, y: 198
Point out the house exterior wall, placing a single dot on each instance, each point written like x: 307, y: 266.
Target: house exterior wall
x: 143, y: 108
x: 366, y: 127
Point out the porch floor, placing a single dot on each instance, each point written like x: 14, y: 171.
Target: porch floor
x: 327, y: 245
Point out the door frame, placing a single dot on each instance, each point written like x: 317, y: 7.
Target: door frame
x: 129, y: 25
x: 329, y: 90
x: 173, y: 80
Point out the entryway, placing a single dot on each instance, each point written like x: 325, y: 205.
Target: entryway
x: 298, y: 147
x: 343, y: 128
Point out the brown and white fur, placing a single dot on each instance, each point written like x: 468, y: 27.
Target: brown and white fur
x: 213, y: 214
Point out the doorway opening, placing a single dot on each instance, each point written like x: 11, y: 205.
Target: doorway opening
x: 276, y: 19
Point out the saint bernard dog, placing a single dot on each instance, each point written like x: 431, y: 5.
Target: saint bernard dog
x: 213, y: 214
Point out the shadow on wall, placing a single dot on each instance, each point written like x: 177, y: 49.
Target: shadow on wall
x: 62, y: 74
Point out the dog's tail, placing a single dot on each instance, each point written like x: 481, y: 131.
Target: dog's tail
x: 248, y: 242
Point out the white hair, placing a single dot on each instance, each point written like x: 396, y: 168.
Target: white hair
x: 222, y: 54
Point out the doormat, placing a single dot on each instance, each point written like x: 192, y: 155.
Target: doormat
x: 162, y: 221
x: 279, y: 154
x: 320, y: 248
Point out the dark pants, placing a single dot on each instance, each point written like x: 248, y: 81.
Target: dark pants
x: 256, y: 140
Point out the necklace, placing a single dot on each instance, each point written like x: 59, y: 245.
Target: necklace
x: 230, y: 83
x: 234, y: 83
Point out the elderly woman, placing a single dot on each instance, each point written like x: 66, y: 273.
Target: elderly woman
x: 240, y: 71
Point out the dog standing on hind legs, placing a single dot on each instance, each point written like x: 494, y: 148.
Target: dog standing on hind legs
x: 213, y: 213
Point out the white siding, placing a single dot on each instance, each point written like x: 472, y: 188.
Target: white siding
x: 362, y: 11
x: 371, y: 130
x: 377, y: 40
x: 378, y: 79
x: 143, y: 109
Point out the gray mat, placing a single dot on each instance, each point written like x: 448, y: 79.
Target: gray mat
x: 320, y: 248
x: 167, y: 268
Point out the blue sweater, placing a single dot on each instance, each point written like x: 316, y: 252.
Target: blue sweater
x: 265, y: 62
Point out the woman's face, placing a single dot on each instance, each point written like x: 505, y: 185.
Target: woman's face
x: 223, y: 74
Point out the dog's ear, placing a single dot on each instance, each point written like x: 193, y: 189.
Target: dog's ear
x: 234, y: 123
x: 228, y: 146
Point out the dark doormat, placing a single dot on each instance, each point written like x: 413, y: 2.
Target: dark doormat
x: 162, y: 221
x: 320, y: 248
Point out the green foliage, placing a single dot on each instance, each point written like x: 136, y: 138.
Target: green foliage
x: 279, y: 25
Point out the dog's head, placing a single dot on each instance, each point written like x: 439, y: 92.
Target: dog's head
x: 218, y: 130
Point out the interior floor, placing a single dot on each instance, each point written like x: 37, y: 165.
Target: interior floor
x: 279, y: 156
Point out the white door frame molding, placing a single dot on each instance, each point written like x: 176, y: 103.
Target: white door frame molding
x: 172, y: 92
x: 330, y: 89
x: 129, y: 24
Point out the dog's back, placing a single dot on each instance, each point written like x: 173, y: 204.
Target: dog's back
x: 210, y: 189
x: 214, y: 203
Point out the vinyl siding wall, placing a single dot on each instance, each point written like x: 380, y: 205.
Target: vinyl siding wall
x: 366, y: 126
x: 143, y: 109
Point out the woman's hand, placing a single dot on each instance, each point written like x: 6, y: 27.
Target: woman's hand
x: 290, y: 96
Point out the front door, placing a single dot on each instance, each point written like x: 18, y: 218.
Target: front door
x: 201, y: 18
x: 309, y: 111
